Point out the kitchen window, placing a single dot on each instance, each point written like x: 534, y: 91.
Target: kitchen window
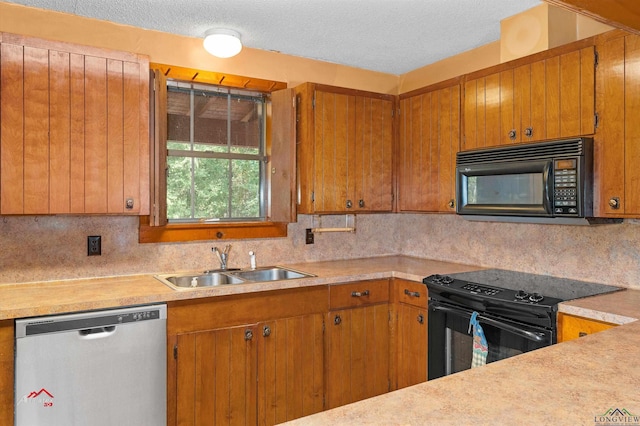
x: 215, y: 154
x: 222, y: 157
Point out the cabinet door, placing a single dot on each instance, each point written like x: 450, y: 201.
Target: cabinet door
x: 74, y: 129
x: 290, y: 368
x: 373, y: 155
x: 334, y: 117
x: 357, y: 359
x: 617, y: 179
x: 571, y: 327
x: 429, y: 141
x: 7, y: 342
x: 412, y: 345
x: 345, y: 148
x: 549, y: 98
x: 216, y: 377
x: 482, y: 112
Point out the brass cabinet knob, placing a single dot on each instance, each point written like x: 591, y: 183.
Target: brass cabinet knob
x: 614, y: 203
x: 349, y: 204
x: 512, y: 134
x: 451, y: 204
x: 528, y: 132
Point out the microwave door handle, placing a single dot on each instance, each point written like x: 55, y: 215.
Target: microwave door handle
x: 547, y: 183
x: 536, y: 337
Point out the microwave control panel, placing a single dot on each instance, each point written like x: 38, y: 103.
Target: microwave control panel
x: 565, y: 184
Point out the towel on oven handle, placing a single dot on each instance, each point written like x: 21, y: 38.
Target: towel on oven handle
x: 480, y: 346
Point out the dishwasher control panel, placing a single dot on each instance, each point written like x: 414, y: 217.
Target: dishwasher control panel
x: 88, y: 320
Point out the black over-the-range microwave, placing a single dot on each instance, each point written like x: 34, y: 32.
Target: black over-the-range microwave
x: 550, y: 179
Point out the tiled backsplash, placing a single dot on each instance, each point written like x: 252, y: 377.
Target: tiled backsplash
x: 55, y: 247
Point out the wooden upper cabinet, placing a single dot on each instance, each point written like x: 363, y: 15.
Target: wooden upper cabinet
x: 624, y: 14
x: 617, y: 139
x: 345, y: 144
x: 545, y: 96
x: 429, y: 140
x: 74, y: 133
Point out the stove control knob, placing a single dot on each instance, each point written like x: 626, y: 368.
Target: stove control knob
x: 447, y: 280
x: 521, y: 294
x: 536, y: 297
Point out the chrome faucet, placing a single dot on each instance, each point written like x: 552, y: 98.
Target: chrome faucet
x: 223, y: 256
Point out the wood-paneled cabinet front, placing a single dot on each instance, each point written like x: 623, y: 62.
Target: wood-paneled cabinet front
x: 74, y: 132
x: 7, y: 361
x: 572, y: 327
x: 429, y: 140
x: 243, y: 372
x: 545, y: 96
x: 344, y: 151
x: 617, y: 139
x: 357, y: 342
x: 410, y: 331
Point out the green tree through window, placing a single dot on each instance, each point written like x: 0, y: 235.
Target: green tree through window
x: 215, y: 153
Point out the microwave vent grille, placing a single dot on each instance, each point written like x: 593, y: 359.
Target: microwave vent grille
x: 530, y: 151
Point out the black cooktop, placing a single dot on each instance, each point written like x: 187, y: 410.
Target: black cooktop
x: 549, y: 287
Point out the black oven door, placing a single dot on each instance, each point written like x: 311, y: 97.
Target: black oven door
x: 450, y: 343
x: 518, y: 188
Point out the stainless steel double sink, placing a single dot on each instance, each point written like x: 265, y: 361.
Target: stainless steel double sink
x: 230, y: 276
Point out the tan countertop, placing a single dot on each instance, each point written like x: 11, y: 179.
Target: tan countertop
x: 571, y: 383
x: 53, y: 297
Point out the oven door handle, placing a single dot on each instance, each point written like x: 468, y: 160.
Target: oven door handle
x: 536, y: 337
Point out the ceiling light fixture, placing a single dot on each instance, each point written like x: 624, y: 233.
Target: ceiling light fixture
x: 222, y: 43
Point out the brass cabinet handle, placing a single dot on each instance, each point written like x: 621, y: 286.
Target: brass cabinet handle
x: 361, y: 203
x: 349, y: 204
x: 528, y: 132
x: 420, y: 318
x: 411, y: 293
x: 512, y: 134
x: 359, y: 293
x: 337, y: 320
x: 266, y: 331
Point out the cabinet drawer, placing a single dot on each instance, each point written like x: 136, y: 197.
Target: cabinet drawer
x: 361, y: 293
x: 411, y: 293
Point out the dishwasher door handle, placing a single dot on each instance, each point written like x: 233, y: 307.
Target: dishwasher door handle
x: 96, y: 333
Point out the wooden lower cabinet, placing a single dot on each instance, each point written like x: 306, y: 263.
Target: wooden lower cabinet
x: 6, y: 372
x: 290, y: 368
x: 216, y: 373
x: 410, y: 333
x: 357, y: 354
x: 571, y: 327
x: 266, y: 358
x: 246, y: 359
x: 412, y: 345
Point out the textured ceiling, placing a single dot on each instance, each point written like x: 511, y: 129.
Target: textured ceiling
x: 391, y: 36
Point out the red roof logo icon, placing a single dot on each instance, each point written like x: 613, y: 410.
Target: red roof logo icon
x: 40, y: 392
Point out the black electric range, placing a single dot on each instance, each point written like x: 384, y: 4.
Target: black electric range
x: 517, y: 295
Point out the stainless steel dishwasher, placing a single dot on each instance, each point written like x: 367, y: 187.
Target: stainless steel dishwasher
x: 93, y: 368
